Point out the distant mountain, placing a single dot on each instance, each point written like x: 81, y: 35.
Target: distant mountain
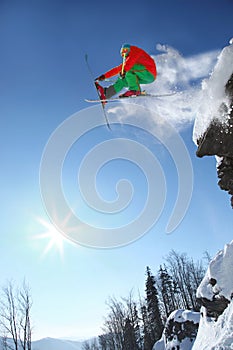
x: 51, y: 344
x: 56, y: 344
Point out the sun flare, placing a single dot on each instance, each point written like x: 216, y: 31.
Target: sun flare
x: 53, y: 236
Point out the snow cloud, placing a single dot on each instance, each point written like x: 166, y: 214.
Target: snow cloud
x: 179, y: 74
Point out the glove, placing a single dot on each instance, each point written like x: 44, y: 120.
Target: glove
x: 122, y: 74
x: 100, y: 78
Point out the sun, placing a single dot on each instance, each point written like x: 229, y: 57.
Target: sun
x: 54, y: 237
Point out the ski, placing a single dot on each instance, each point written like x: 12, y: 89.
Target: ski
x: 99, y: 100
x: 144, y: 94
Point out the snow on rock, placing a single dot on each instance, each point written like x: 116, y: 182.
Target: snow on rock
x: 220, y: 270
x: 217, y: 333
x: 180, y: 331
x: 186, y: 330
x: 213, y: 128
x: 214, y: 335
x: 213, y: 92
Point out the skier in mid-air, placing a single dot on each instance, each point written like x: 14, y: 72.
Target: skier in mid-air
x: 138, y: 67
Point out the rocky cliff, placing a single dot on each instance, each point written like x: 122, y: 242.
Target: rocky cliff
x: 213, y: 131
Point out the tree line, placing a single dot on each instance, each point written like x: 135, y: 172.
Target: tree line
x: 136, y: 324
x: 131, y: 323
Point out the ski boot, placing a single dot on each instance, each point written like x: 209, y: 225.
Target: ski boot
x: 101, y: 91
x: 130, y: 93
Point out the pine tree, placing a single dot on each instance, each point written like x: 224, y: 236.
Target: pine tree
x: 155, y: 324
x: 167, y: 289
x: 137, y: 328
x: 147, y: 341
x: 132, y: 315
x: 129, y: 342
x: 103, y: 341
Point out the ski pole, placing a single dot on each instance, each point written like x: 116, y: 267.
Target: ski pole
x: 123, y: 64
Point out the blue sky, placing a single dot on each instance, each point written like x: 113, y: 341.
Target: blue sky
x: 43, y: 82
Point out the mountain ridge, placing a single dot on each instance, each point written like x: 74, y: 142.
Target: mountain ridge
x: 50, y: 343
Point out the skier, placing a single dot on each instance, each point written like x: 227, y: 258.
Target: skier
x: 137, y: 68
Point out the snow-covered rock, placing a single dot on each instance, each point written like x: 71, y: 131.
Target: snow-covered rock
x: 186, y: 330
x: 213, y: 128
x: 220, y: 270
x: 217, y: 284
x: 216, y: 288
x: 213, y: 93
x: 216, y: 335
x: 180, y: 331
